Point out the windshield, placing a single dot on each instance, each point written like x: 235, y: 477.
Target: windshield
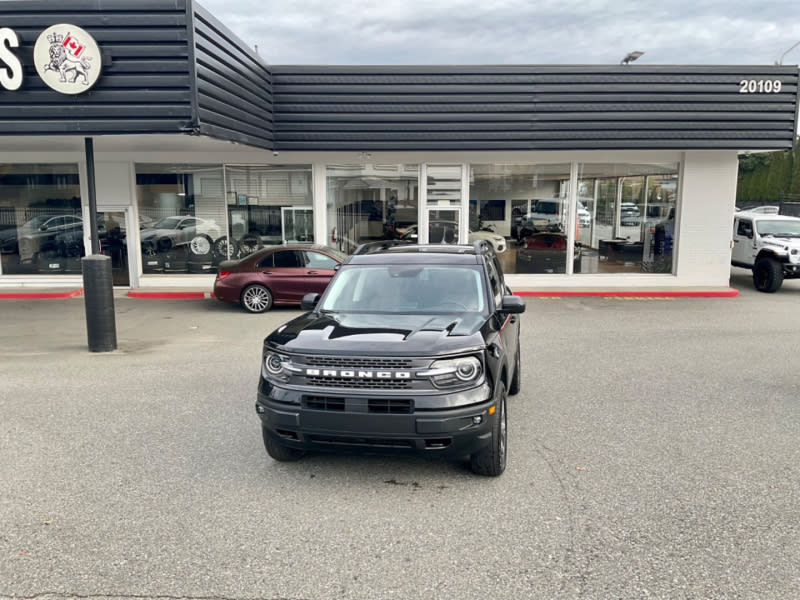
x: 37, y: 221
x: 405, y: 289
x: 778, y: 227
x: 167, y: 223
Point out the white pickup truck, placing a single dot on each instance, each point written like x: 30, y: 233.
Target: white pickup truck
x: 768, y: 244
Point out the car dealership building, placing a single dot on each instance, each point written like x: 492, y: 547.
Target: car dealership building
x: 596, y: 176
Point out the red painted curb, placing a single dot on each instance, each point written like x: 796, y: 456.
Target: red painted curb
x: 168, y: 295
x: 39, y: 295
x: 729, y: 293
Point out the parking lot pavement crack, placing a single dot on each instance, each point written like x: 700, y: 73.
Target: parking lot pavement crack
x: 571, y: 554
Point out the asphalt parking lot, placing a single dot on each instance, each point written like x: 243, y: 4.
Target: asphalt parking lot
x: 653, y: 453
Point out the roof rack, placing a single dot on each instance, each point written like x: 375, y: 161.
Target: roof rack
x: 371, y: 247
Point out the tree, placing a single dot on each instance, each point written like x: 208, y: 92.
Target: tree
x: 768, y: 177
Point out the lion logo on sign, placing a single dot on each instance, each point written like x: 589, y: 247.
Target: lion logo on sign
x: 66, y: 58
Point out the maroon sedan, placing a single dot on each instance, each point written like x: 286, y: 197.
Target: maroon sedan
x: 276, y: 274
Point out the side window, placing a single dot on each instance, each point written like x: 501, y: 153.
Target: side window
x: 317, y: 260
x: 286, y: 259
x: 495, y: 280
x: 745, y: 228
x: 267, y: 262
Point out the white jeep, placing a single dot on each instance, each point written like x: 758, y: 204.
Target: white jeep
x: 769, y: 245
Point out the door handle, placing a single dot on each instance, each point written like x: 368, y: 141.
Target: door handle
x: 312, y: 273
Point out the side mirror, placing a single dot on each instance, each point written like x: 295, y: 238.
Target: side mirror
x: 512, y: 304
x: 309, y: 301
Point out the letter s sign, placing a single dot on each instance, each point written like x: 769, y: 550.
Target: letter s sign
x: 11, y: 74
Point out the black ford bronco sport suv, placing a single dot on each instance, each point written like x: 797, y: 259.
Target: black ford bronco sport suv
x: 410, y: 348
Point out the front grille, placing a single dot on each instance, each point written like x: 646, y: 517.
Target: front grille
x: 358, y: 363
x: 325, y: 403
x: 350, y: 382
x: 385, y: 373
x: 394, y: 406
x: 387, y: 406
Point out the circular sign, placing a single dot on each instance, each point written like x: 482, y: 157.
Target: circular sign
x: 67, y: 59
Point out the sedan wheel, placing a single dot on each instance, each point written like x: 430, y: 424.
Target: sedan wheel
x: 256, y: 299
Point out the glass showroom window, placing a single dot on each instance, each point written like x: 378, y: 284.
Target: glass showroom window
x: 41, y: 227
x: 626, y: 214
x: 522, y: 210
x: 267, y: 206
x: 371, y: 202
x: 181, y: 217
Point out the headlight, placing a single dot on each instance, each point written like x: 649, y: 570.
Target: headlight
x: 278, y: 365
x: 454, y: 371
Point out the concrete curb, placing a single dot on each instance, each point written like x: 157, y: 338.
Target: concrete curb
x: 40, y: 294
x: 688, y: 293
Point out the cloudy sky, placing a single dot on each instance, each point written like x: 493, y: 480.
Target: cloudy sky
x: 722, y: 32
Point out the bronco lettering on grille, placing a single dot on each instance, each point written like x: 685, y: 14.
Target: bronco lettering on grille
x: 358, y: 374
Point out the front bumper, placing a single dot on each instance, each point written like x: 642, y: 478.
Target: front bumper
x: 374, y: 423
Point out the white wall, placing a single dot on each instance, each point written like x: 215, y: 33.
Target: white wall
x: 708, y: 196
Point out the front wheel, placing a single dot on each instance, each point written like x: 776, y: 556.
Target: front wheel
x: 278, y: 451
x: 491, y: 460
x: 767, y: 275
x: 256, y: 298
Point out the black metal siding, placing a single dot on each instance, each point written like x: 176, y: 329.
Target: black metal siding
x: 234, y: 87
x: 168, y: 67
x: 532, y: 108
x: 145, y: 86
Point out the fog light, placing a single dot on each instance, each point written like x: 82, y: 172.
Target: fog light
x: 477, y: 419
x: 260, y: 409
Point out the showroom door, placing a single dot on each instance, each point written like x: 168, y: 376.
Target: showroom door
x: 297, y: 225
x: 112, y: 226
x: 445, y: 207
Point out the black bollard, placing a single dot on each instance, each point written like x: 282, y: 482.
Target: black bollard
x: 98, y: 288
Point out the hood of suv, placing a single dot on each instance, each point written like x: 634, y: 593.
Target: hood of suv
x: 385, y: 334
x: 787, y: 242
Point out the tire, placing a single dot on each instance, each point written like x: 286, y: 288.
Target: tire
x: 516, y: 380
x: 201, y: 266
x: 249, y: 243
x: 201, y: 245
x: 164, y: 244
x: 256, y: 298
x: 176, y: 261
x: 222, y: 246
x: 149, y: 248
x: 72, y: 249
x: 491, y: 460
x: 767, y: 275
x: 278, y: 451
